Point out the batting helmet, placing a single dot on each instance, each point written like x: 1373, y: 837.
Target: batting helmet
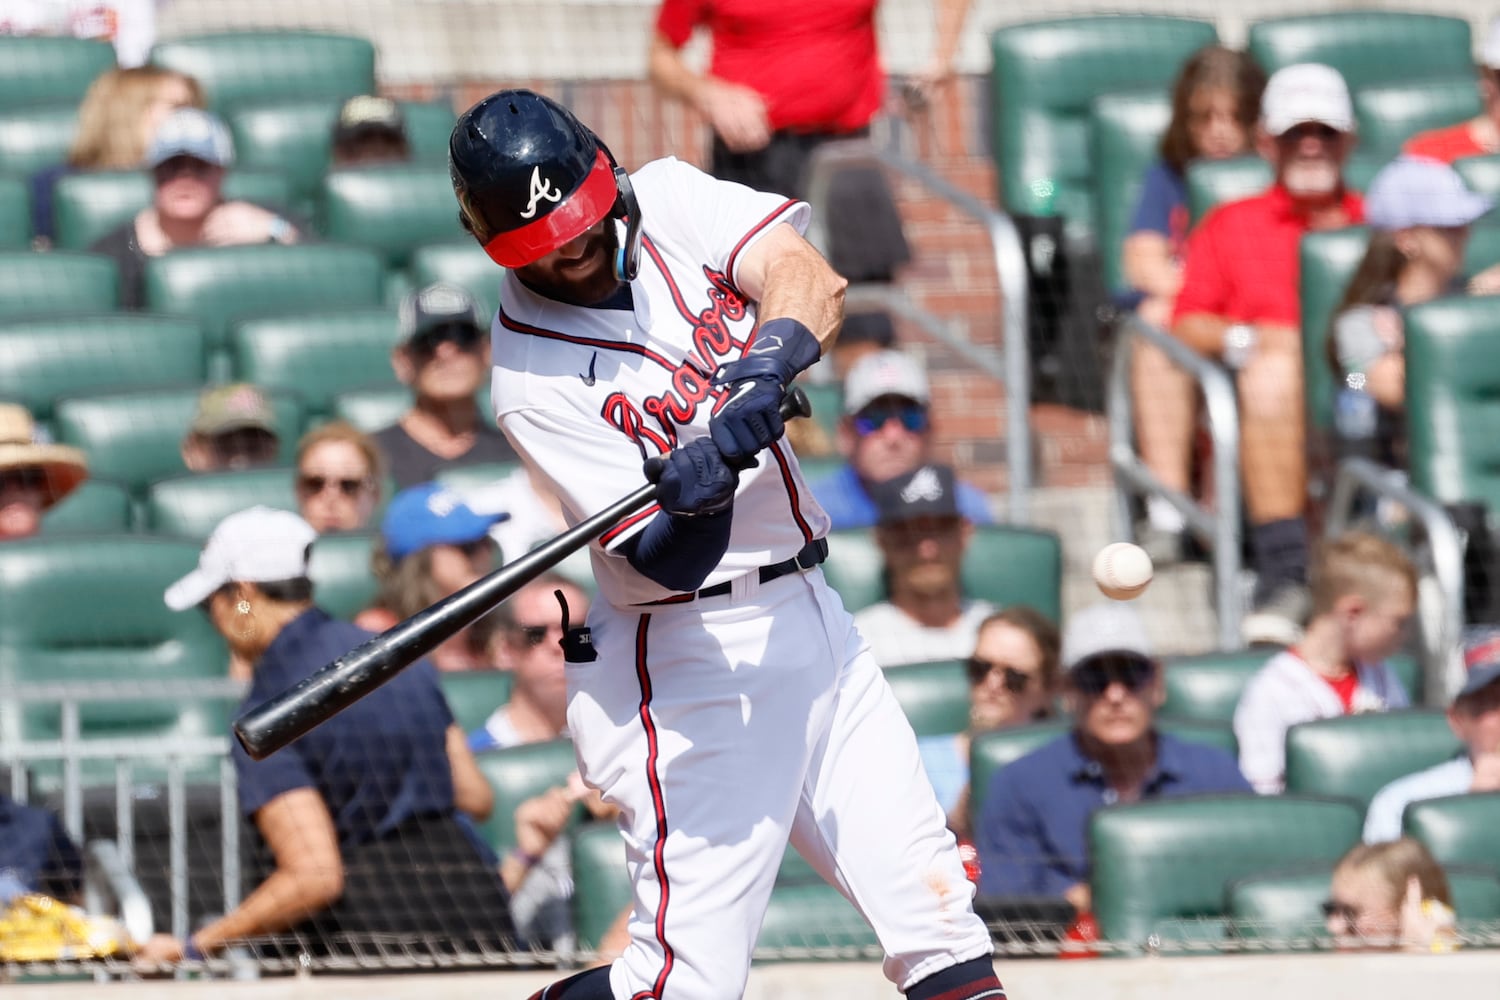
x: 530, y: 177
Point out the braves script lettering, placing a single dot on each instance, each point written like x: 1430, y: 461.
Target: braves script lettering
x: 540, y: 189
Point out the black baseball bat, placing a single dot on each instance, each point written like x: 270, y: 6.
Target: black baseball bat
x: 272, y: 725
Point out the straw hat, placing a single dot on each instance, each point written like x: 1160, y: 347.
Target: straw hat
x: 65, y: 467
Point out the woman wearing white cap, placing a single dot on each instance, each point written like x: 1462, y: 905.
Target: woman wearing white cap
x: 360, y: 816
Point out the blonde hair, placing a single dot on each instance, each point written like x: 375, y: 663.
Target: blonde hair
x: 1357, y: 562
x: 110, y: 116
x: 1397, y: 861
x: 406, y: 585
x: 343, y: 432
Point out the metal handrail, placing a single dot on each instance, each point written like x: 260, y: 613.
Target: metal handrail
x: 1217, y: 529
x: 1442, y: 669
x: 110, y: 886
x: 1011, y: 366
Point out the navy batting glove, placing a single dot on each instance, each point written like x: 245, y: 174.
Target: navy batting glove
x: 750, y: 420
x: 694, y: 480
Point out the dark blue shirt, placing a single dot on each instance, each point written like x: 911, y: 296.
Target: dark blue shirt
x: 379, y: 762
x: 1163, y: 209
x: 36, y: 853
x: 844, y: 497
x: 1032, y: 835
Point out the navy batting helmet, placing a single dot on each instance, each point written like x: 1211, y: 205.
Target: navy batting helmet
x: 530, y: 177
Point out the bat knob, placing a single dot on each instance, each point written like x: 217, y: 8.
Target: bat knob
x: 795, y: 404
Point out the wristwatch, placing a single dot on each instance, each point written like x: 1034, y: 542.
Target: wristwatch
x: 280, y: 230
x: 1239, y: 344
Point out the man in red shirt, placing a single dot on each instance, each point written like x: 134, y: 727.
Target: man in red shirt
x: 1479, y: 135
x: 1239, y: 304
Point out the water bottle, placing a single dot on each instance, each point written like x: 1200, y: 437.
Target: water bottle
x: 1355, y: 416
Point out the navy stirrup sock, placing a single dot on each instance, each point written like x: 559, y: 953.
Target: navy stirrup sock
x: 591, y: 984
x: 971, y: 980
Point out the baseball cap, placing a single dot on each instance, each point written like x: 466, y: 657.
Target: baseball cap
x: 1112, y: 627
x: 432, y: 514
x: 1414, y: 191
x: 1306, y: 92
x: 437, y: 305
x: 191, y: 132
x: 258, y: 545
x: 232, y: 407
x: 927, y: 492
x: 368, y: 113
x: 884, y: 373
x: 1481, y: 661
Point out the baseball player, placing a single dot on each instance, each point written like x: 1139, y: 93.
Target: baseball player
x: 649, y: 325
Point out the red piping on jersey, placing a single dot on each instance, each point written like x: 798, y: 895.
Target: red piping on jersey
x: 659, y: 806
x: 595, y: 342
x: 791, y: 492
x: 763, y: 223
x: 614, y: 532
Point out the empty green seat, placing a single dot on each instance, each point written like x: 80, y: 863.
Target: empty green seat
x: 827, y: 401
x: 392, y: 208
x: 192, y: 506
x: 1328, y: 262
x: 15, y: 214
x: 473, y: 695
x: 1354, y: 756
x: 343, y: 582
x: 1483, y: 250
x: 1213, y: 182
x: 1458, y: 829
x: 317, y: 354
x: 934, y: 696
x: 1390, y: 113
x: 1125, y: 133
x: 601, y: 884
x: 816, y: 917
x: 1045, y: 76
x: 87, y: 205
x: 519, y: 773
x: 1481, y: 173
x: 37, y: 284
x: 98, y: 506
x: 34, y: 138
x: 45, y: 69
x: 471, y: 477
x: 1159, y: 864
x: 51, y: 357
x: 429, y: 124
x: 1366, y: 46
x: 374, y: 408
x: 1207, y: 686
x: 246, y: 67
x: 463, y: 263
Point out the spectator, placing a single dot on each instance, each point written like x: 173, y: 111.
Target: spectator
x: 1392, y: 895
x: 188, y: 159
x: 922, y: 537
x: 534, y: 516
x: 1012, y: 681
x: 1480, y: 135
x: 339, y: 475
x: 368, y: 801
x: 128, y: 25
x: 1364, y: 591
x: 1420, y: 212
x: 34, y: 475
x: 369, y: 130
x: 234, y: 427
x: 443, y: 357
x: 431, y: 545
x: 119, y: 115
x: 1475, y: 719
x: 1239, y: 304
x: 886, y: 431
x: 1031, y: 835
x: 36, y: 854
x: 1215, y: 102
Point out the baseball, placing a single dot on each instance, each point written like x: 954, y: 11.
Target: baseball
x: 1122, y: 571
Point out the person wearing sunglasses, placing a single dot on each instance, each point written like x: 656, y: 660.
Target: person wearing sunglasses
x: 339, y: 473
x: 233, y: 428
x: 34, y: 475
x: 431, y: 544
x: 1391, y: 896
x: 885, y: 432
x: 1031, y: 832
x: 444, y: 358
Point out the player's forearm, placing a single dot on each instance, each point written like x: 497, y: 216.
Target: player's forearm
x: 680, y: 552
x: 670, y: 75
x: 801, y: 286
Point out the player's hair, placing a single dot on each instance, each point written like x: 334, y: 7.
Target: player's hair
x: 346, y: 433
x: 1395, y: 862
x: 1357, y: 562
x: 1212, y: 67
x: 110, y: 116
x: 1044, y: 632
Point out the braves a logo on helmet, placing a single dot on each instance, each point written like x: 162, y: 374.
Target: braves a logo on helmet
x: 541, y: 190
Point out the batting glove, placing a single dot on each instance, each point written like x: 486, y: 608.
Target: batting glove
x: 750, y: 420
x: 694, y: 480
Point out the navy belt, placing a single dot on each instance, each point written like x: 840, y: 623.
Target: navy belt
x: 813, y: 553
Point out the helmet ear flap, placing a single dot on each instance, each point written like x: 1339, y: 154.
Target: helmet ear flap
x: 628, y: 210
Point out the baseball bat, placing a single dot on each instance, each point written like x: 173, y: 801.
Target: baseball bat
x: 272, y: 725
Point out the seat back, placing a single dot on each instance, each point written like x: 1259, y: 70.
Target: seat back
x: 601, y: 884
x: 519, y: 773
x: 1170, y: 859
x: 1365, y: 46
x: 317, y: 354
x: 88, y: 204
x: 1045, y: 76
x: 811, y: 915
x: 96, y: 507
x: 192, y: 506
x: 1213, y: 182
x: 34, y: 138
x: 1458, y: 829
x: 429, y: 124
x: 1389, y: 113
x: 463, y: 263
x: 1207, y: 686
x: 1453, y: 399
x: 1483, y: 250
x: 50, y: 69
x: 374, y: 408
x: 1354, y: 756
x: 293, y: 136
x: 989, y: 752
x: 15, y: 214
x: 473, y: 696
x: 1481, y: 173
x: 934, y: 696
x: 465, y: 478
x: 1125, y: 131
x: 1007, y: 565
x: 246, y: 67
x: 1328, y: 262
x: 392, y: 208
x: 343, y: 582
x: 42, y: 284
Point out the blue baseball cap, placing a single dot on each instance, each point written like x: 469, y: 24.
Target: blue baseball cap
x: 432, y: 514
x: 191, y: 132
x: 1414, y: 191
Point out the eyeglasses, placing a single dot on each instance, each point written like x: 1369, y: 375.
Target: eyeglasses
x: 464, y: 336
x: 1097, y: 676
x: 1015, y: 681
x: 873, y: 418
x: 1345, y: 911
x: 313, y: 485
x: 534, y: 635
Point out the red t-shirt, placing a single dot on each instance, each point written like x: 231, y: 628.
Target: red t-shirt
x: 1344, y: 688
x: 1242, y: 259
x: 815, y: 62
x: 1445, y: 144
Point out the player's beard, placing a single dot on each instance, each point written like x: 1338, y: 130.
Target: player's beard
x: 588, y: 289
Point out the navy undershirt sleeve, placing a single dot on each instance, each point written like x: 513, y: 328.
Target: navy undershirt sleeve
x: 680, y: 552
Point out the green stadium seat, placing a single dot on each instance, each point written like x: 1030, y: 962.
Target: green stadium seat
x: 473, y: 695
x: 517, y: 774
x: 1458, y: 829
x: 291, y: 136
x: 1390, y: 113
x: 372, y: 409
x: 32, y: 139
x: 15, y: 214
x: 1354, y: 756
x: 1213, y: 182
x: 1483, y: 250
x: 601, y: 884
x: 39, y: 284
x: 854, y: 567
x: 44, y: 69
x: 393, y: 208
x: 95, y: 507
x: 1125, y: 131
x: 1219, y: 735
x: 1366, y: 46
x: 317, y: 354
x: 812, y: 916
x: 1161, y: 866
x: 87, y: 205
x: 827, y: 402
x: 1207, y: 686
x: 192, y: 506
x: 934, y: 696
x: 471, y: 477
x: 429, y: 124
x: 135, y: 437
x: 1482, y: 173
x: 51, y: 357
x: 1328, y: 261
x: 249, y: 67
x: 1045, y: 76
x: 462, y: 263
x: 343, y: 582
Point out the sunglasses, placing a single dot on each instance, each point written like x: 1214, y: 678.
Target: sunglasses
x: 313, y: 485
x: 1095, y: 678
x: 178, y: 165
x: 872, y: 419
x: 1344, y: 911
x: 464, y: 336
x: 534, y: 635
x: 1310, y: 130
x: 1015, y: 681
x: 29, y: 478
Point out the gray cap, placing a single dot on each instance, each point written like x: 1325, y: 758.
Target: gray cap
x: 191, y: 132
x: 1107, y: 627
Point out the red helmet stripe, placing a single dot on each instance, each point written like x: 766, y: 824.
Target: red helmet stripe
x: 588, y: 204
